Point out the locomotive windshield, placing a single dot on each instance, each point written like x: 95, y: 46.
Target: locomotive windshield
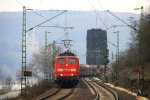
x: 61, y: 61
x: 72, y: 61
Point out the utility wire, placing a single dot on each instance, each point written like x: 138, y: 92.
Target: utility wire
x: 61, y: 37
x: 97, y: 14
x: 112, y: 43
x: 43, y: 16
x: 59, y: 27
x: 123, y: 21
x: 36, y: 11
x: 20, y: 3
x: 32, y: 10
x: 45, y: 21
x: 58, y: 40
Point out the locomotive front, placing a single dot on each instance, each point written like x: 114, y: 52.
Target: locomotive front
x: 66, y: 69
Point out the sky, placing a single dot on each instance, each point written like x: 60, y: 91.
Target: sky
x: 113, y: 5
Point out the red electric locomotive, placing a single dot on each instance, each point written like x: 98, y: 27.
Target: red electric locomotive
x: 66, y: 68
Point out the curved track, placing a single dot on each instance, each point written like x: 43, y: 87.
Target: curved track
x: 58, y: 94
x: 104, y: 92
x: 91, y: 87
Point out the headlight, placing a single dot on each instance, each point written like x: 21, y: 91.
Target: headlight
x: 73, y: 69
x: 60, y: 70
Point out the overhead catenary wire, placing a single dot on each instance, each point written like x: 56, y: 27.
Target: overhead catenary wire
x: 122, y: 20
x: 43, y: 16
x: 59, y: 38
x: 97, y: 14
x: 46, y: 4
x: 112, y: 43
x: 46, y: 21
x: 58, y: 27
x: 35, y: 11
x: 31, y: 9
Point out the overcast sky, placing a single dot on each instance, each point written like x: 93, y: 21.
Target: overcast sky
x: 113, y: 5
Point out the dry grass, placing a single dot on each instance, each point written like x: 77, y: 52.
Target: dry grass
x: 34, y: 91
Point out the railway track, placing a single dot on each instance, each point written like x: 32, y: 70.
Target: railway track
x: 107, y: 88
x: 102, y: 92
x: 99, y: 92
x: 58, y: 94
x: 91, y: 87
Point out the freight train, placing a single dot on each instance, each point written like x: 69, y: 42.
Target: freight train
x: 66, y: 69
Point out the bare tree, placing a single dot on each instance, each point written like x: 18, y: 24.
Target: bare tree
x: 38, y: 60
x: 7, y: 83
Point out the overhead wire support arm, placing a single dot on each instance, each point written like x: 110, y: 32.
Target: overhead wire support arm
x: 46, y: 21
x: 123, y: 21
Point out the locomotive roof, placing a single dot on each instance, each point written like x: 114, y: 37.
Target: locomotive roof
x: 67, y: 53
x: 66, y: 56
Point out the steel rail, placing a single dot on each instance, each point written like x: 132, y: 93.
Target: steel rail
x: 55, y: 93
x: 67, y: 95
x: 97, y: 94
x: 107, y: 88
x: 49, y: 95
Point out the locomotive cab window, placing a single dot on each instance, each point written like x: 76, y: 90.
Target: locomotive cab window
x: 72, y: 61
x: 61, y: 61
